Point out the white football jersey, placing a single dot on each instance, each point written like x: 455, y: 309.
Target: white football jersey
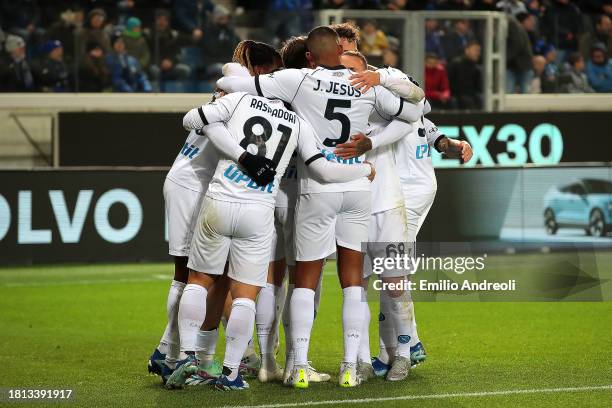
x: 413, y: 158
x: 195, y: 164
x: 335, y: 110
x: 386, y: 187
x: 262, y: 127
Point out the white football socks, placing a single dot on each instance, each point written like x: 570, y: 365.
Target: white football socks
x: 264, y: 321
x: 352, y: 321
x: 170, y: 343
x: 192, y: 312
x: 401, y: 311
x: 364, y: 344
x: 287, y: 327
x: 386, y: 330
x: 302, y: 318
x: 206, y: 346
x: 237, y: 334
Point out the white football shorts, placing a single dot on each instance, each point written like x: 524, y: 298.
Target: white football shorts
x: 284, y: 226
x: 417, y: 208
x: 324, y: 220
x: 387, y: 237
x: 182, y: 209
x: 242, y: 231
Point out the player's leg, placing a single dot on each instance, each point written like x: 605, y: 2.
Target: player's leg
x: 252, y: 233
x: 209, y: 250
x: 352, y: 230
x: 401, y: 314
x: 315, y: 239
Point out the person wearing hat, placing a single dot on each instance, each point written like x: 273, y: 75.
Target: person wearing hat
x: 51, y: 73
x: 94, y: 31
x: 125, y: 70
x: 599, y: 69
x: 135, y: 43
x: 94, y: 75
x: 15, y: 72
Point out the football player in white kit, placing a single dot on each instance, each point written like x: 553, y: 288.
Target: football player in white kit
x: 332, y: 217
x: 237, y: 215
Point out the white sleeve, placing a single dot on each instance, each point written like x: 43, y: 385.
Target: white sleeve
x: 432, y: 133
x: 391, y: 133
x: 282, y: 84
x: 321, y: 169
x: 222, y: 139
x: 232, y: 84
x: 392, y: 105
x: 220, y: 110
x: 401, y: 86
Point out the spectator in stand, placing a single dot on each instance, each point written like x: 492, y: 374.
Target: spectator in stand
x: 15, y: 72
x: 135, y: 43
x: 512, y: 7
x: 94, y: 75
x: 465, y: 77
x: 518, y: 54
x: 407, y: 4
x: 166, y: 45
x: 599, y: 69
x: 454, y: 43
x: 66, y: 29
x: 126, y: 73
x: 373, y: 40
x: 561, y: 25
x: 220, y: 41
x: 574, y: 79
x: 595, y: 7
x: 543, y: 81
x: 433, y: 39
x: 95, y: 31
x: 51, y: 73
x: 437, y: 90
x: 22, y: 17
x: 601, y: 34
x: 550, y: 53
x: 390, y: 58
x: 191, y: 16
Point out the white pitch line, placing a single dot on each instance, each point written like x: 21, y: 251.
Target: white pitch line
x: 431, y: 396
x: 83, y: 282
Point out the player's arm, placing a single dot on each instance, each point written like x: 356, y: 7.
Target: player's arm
x: 326, y: 171
x: 398, y: 107
x: 281, y: 85
x: 454, y: 149
x: 361, y: 144
x: 400, y: 86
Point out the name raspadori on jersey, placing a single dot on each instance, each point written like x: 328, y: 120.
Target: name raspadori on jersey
x: 280, y: 113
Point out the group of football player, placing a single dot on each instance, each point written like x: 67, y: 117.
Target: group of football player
x: 304, y: 152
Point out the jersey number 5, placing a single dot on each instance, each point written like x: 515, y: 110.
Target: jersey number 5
x: 332, y: 104
x: 264, y: 131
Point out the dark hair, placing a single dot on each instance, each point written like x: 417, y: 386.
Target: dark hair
x: 321, y: 39
x: 522, y: 16
x: 599, y: 18
x: 293, y: 53
x: 359, y: 55
x: 573, y: 58
x: 253, y: 54
x: 347, y: 30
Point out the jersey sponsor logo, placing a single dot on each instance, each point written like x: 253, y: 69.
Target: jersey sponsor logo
x: 190, y: 151
x: 423, y: 151
x: 337, y: 88
x: 280, y: 113
x: 234, y: 174
x: 330, y: 156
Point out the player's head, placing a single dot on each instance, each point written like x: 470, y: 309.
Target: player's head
x: 349, y: 35
x: 323, y: 46
x: 293, y: 53
x: 354, y: 60
x: 258, y: 57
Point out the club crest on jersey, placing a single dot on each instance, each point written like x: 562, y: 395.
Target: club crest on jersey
x: 237, y: 176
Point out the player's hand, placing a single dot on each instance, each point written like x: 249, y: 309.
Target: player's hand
x: 259, y: 168
x: 466, y: 151
x: 358, y: 145
x: 365, y: 80
x: 372, y: 172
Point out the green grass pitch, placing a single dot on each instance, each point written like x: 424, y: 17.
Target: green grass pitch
x: 91, y: 328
